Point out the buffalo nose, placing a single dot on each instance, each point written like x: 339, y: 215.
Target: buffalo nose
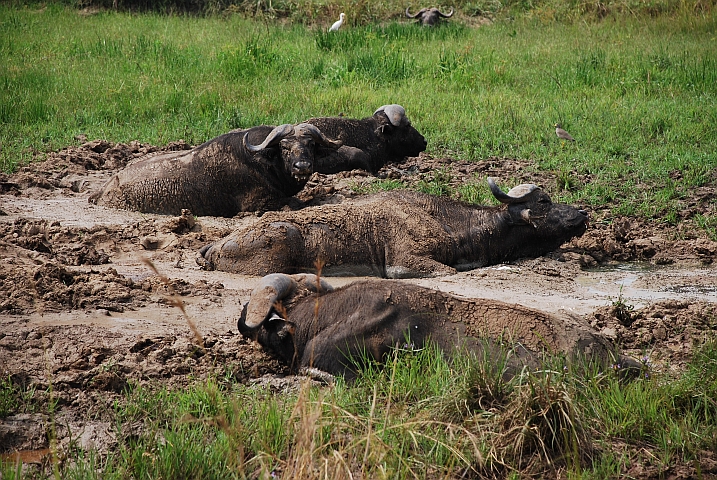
x: 302, y: 166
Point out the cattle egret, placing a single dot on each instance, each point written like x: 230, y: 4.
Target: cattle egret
x: 337, y: 24
x: 562, y: 134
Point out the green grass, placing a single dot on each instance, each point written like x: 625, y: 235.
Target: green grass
x: 638, y: 93
x: 8, y: 397
x: 419, y: 417
x: 16, y: 398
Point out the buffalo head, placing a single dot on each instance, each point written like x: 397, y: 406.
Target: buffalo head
x: 548, y: 223
x: 261, y: 321
x: 396, y: 130
x: 428, y: 17
x: 297, y: 145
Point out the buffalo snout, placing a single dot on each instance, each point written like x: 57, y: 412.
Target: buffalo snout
x: 302, y: 169
x: 582, y: 216
x: 410, y: 143
x: 576, y: 219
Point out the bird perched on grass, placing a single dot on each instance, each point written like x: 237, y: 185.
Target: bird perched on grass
x: 562, y: 134
x: 337, y: 24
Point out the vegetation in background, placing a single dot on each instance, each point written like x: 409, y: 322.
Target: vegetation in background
x: 419, y: 417
x: 637, y: 93
x: 363, y: 12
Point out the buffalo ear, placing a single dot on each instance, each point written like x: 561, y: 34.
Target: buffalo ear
x: 519, y: 215
x: 384, y: 129
x: 525, y: 215
x: 282, y: 327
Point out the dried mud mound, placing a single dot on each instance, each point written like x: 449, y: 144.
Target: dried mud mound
x: 89, y: 368
x: 627, y: 239
x: 51, y: 288
x: 664, y: 334
x: 37, y: 260
x: 59, y: 169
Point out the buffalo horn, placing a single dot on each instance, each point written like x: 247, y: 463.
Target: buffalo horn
x: 271, y: 289
x: 516, y: 194
x: 446, y: 15
x: 396, y: 114
x: 272, y: 139
x: 414, y: 16
x: 313, y: 130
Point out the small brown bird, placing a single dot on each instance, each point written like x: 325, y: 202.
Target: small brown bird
x: 562, y: 134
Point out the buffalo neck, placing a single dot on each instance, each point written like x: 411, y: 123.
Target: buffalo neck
x: 487, y: 236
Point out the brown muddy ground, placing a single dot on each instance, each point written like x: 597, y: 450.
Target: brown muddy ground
x: 93, y: 298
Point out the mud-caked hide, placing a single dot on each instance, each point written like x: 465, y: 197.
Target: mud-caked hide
x: 336, y: 331
x: 250, y: 170
x: 370, y: 143
x: 399, y: 234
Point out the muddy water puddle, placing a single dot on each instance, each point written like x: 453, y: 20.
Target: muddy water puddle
x: 542, y: 283
x: 582, y: 291
x: 643, y: 283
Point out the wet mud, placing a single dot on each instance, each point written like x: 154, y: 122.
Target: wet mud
x: 92, y: 298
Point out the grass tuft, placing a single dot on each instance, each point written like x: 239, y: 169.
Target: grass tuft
x: 420, y: 415
x: 542, y: 427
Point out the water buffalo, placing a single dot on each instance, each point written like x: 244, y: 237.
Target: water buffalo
x: 369, y: 143
x: 399, y: 234
x: 257, y: 169
x: 308, y: 324
x: 428, y: 17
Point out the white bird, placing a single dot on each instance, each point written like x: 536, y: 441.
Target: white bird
x: 337, y: 24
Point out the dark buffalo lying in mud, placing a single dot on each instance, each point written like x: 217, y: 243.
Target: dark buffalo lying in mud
x: 370, y: 143
x: 308, y: 324
x: 257, y: 169
x: 399, y: 234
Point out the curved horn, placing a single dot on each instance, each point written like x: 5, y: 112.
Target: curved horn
x: 313, y: 283
x: 445, y: 15
x: 313, y: 130
x: 516, y: 194
x: 412, y: 16
x: 271, y: 289
x: 272, y: 139
x: 396, y: 114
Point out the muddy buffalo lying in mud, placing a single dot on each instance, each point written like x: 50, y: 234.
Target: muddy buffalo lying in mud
x: 429, y: 17
x: 257, y: 169
x: 308, y: 324
x: 370, y: 143
x: 399, y: 234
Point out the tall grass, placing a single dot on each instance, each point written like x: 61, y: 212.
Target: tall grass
x: 421, y: 416
x: 361, y: 12
x: 637, y: 95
